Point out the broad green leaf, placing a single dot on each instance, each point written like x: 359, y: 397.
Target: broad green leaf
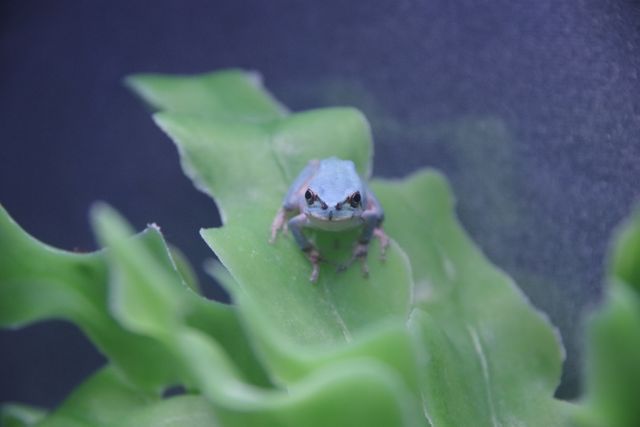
x: 277, y: 283
x: 488, y: 358
x: 389, y: 341
x: 350, y: 393
x: 179, y: 411
x: 152, y: 299
x: 416, y: 208
x: 358, y: 392
x: 309, y: 319
x: 436, y: 336
x: 38, y: 282
x: 232, y: 93
x: 105, y: 399
x: 613, y: 340
x: 318, y: 399
x: 340, y: 395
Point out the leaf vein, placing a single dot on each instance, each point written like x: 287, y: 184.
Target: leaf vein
x: 475, y: 338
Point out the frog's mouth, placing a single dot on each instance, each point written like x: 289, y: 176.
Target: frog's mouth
x: 333, y: 216
x: 335, y: 220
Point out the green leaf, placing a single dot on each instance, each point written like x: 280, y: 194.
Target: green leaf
x: 140, y: 272
x: 104, y: 399
x: 215, y: 154
x: 275, y: 277
x: 254, y: 163
x: 436, y: 336
x: 624, y: 263
x: 478, y: 352
x: 38, y: 282
x: 184, y: 269
x: 179, y: 411
x: 613, y: 340
x: 150, y: 297
x: 416, y: 208
x: 18, y: 415
x: 359, y: 392
x: 488, y: 358
x: 231, y: 93
x: 151, y: 303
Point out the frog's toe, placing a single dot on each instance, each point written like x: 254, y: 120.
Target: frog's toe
x: 364, y: 268
x: 360, y: 251
x: 313, y: 278
x: 314, y: 258
x: 383, y: 253
x: 384, y: 240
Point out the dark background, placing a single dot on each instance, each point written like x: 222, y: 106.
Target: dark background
x: 530, y: 108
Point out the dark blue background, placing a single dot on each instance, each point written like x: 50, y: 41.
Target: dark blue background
x: 531, y: 109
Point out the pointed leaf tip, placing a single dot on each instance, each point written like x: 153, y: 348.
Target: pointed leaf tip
x: 227, y: 93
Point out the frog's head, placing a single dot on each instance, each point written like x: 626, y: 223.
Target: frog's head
x: 334, y: 206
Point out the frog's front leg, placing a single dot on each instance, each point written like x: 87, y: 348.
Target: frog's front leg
x: 296, y: 224
x: 280, y: 221
x: 277, y: 224
x: 372, y: 218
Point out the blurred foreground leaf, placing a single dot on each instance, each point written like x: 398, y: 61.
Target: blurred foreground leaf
x: 613, y: 340
x: 149, y: 302
x: 18, y: 415
x: 38, y: 282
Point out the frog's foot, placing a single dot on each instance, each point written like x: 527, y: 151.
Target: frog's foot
x: 359, y: 253
x: 279, y: 222
x: 384, y: 242
x: 314, y: 257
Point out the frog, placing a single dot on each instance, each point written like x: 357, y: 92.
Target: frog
x: 328, y: 194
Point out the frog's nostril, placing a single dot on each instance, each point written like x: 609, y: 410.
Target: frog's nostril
x: 338, y: 206
x: 324, y: 206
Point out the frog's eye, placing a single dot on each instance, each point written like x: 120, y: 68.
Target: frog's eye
x: 309, y: 196
x: 355, y: 199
